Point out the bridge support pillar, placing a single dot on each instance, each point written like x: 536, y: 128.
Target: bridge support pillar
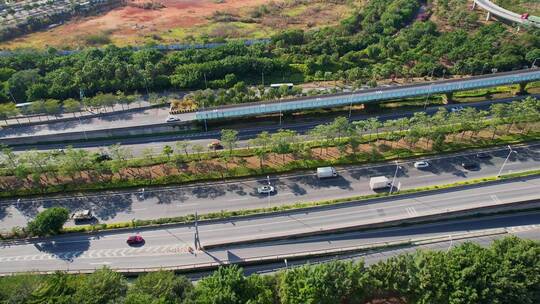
x: 448, y: 98
x: 372, y: 107
x: 521, y: 89
x: 488, y: 16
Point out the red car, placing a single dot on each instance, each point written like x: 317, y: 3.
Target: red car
x: 525, y: 16
x: 135, y: 239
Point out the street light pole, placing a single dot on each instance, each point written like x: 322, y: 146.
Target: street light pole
x: 205, y: 124
x: 350, y: 109
x: 506, y: 160
x: 532, y: 65
x: 268, y: 180
x: 394, y: 179
x: 197, y: 241
x: 84, y: 129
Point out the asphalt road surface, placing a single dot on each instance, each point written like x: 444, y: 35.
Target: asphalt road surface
x: 524, y: 226
x: 169, y: 247
x: 241, y: 194
x: 157, y: 142
x: 121, y: 120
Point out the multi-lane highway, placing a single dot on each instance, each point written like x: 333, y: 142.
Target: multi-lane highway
x: 482, y: 231
x: 138, y: 145
x: 241, y: 194
x: 169, y: 246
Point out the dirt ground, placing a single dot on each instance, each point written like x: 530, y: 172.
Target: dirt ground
x: 128, y: 24
x: 177, y: 21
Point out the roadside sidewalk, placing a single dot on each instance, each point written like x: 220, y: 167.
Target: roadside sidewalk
x: 26, y: 120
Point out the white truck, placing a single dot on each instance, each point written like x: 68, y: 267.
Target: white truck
x: 379, y: 182
x: 326, y: 172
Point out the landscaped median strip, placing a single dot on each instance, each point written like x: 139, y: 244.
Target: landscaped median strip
x: 238, y: 214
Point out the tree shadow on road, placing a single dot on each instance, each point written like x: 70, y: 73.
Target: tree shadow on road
x: 64, y: 251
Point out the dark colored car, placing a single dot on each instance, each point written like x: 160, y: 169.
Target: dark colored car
x: 483, y: 155
x: 215, y: 145
x: 102, y: 157
x: 135, y: 240
x: 469, y: 166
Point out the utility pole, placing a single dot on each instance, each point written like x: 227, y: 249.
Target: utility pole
x: 506, y: 160
x: 197, y: 241
x: 394, y: 179
x: 532, y: 65
x: 350, y: 108
x: 205, y: 123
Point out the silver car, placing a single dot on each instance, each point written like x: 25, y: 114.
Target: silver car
x: 267, y: 189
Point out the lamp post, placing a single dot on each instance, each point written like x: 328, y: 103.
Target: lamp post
x: 205, y: 124
x: 506, y: 160
x: 534, y: 61
x: 395, y: 176
x: 268, y: 181
x: 350, y: 108
x: 483, y: 68
x: 84, y: 128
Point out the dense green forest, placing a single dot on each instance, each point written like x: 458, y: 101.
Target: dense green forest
x: 382, y: 40
x: 506, y: 272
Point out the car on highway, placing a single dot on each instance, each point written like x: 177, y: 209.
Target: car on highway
x: 421, y: 164
x: 469, y: 165
x: 135, y: 240
x: 456, y: 109
x: 82, y: 215
x: 172, y: 119
x: 215, y: 145
x: 266, y: 189
x: 101, y: 157
x: 58, y: 152
x: 483, y: 155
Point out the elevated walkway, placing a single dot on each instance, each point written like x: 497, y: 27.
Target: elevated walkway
x: 370, y: 96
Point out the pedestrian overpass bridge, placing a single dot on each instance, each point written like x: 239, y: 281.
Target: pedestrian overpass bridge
x: 370, y: 96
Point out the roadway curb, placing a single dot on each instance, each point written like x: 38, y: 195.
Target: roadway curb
x: 485, y: 210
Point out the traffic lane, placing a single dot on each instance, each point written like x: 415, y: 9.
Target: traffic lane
x: 239, y: 195
x: 166, y: 247
x: 368, y: 213
x: 138, y: 145
x: 130, y: 119
x: 337, y: 215
x: 526, y: 225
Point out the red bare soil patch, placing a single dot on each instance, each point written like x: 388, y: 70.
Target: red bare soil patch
x: 131, y: 24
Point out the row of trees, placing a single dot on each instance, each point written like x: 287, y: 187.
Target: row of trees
x: 241, y: 93
x: 40, y: 167
x: 505, y: 272
x: 380, y: 41
x: 53, y: 107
